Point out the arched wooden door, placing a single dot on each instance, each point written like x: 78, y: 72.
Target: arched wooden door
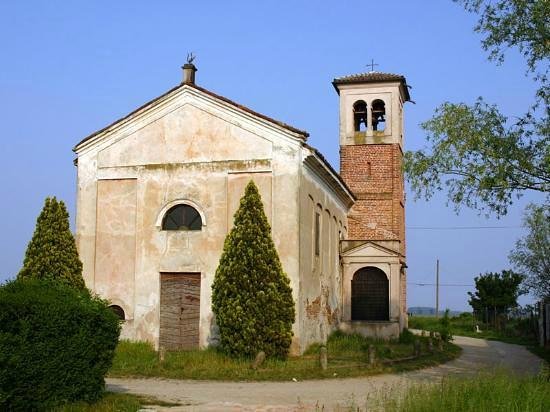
x: 370, y: 294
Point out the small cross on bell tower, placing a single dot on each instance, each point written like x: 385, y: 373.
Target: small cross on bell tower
x: 372, y: 64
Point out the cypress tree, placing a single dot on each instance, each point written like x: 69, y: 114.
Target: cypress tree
x: 51, y: 253
x: 251, y: 295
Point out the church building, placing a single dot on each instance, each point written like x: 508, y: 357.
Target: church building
x: 157, y: 191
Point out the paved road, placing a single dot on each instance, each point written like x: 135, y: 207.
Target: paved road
x: 332, y: 394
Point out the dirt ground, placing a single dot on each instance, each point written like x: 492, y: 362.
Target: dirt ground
x: 325, y: 395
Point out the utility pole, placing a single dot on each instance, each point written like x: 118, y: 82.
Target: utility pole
x: 437, y: 289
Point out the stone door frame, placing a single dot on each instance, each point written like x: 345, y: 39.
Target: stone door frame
x: 371, y: 254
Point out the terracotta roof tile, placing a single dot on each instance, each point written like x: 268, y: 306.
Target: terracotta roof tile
x: 246, y: 109
x: 372, y: 77
x: 369, y: 77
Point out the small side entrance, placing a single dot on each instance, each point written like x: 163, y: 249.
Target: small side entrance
x: 370, y: 295
x: 179, y: 310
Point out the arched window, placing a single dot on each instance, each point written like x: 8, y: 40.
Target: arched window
x: 317, y: 229
x: 118, y: 311
x: 378, y: 115
x: 360, y: 116
x: 182, y: 217
x: 370, y: 295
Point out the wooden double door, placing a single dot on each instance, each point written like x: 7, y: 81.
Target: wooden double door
x: 179, y: 310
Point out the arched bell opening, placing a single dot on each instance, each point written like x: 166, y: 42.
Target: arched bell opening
x: 378, y: 115
x: 360, y: 116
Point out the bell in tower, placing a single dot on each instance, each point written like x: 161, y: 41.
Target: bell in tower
x: 378, y: 115
x: 360, y: 116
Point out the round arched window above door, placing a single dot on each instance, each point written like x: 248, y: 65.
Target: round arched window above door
x: 182, y: 217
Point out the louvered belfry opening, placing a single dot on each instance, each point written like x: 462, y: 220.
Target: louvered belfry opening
x: 370, y: 295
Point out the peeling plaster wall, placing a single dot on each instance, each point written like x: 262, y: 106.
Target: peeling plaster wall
x: 86, y: 199
x: 187, y: 134
x: 195, y: 152
x: 116, y: 242
x: 320, y: 278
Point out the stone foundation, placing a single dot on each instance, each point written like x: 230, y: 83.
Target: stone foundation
x: 378, y: 330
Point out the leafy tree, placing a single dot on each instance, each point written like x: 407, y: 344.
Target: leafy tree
x: 532, y: 253
x: 513, y: 23
x: 480, y: 157
x: 251, y: 295
x: 495, y: 294
x: 51, y: 253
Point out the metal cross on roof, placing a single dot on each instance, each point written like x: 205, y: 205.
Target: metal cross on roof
x: 372, y: 64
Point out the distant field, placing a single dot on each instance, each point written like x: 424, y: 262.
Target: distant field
x: 428, y: 311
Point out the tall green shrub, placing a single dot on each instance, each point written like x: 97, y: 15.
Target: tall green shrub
x: 56, y: 345
x: 51, y: 253
x: 251, y: 295
x: 445, y: 327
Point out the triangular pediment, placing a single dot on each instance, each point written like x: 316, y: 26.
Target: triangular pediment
x: 367, y: 249
x: 201, y: 99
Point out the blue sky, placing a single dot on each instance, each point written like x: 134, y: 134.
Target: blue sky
x: 70, y: 68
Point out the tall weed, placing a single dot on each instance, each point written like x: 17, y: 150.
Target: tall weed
x: 485, y: 392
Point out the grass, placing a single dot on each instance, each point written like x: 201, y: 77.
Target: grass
x: 485, y: 392
x: 115, y: 402
x: 544, y: 353
x: 465, y: 326
x: 347, y: 357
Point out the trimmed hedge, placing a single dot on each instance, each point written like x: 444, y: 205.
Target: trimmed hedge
x: 56, y: 345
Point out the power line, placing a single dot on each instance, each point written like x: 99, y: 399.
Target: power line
x: 461, y: 227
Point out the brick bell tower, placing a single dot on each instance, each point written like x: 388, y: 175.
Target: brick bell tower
x: 371, y: 153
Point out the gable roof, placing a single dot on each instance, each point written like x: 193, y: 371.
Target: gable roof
x: 302, y: 134
x: 373, y: 77
x: 326, y: 169
x: 321, y: 165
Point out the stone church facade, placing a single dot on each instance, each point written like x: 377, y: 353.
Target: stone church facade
x: 157, y: 191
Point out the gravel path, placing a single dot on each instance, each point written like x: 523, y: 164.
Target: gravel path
x: 327, y: 395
